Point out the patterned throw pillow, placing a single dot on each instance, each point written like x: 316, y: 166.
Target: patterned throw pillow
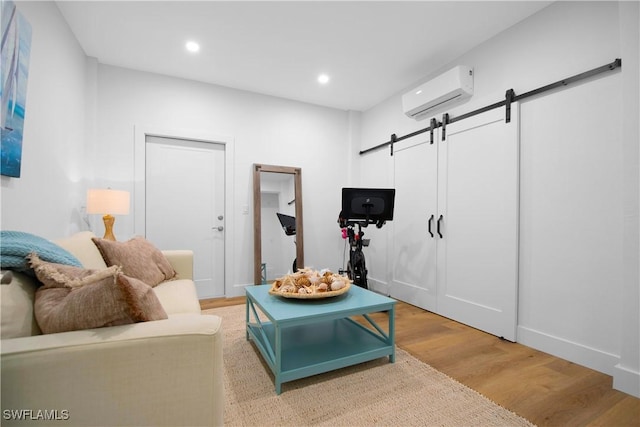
x: 73, y: 298
x: 138, y: 258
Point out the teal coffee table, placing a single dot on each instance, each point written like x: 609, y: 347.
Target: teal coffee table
x: 307, y: 337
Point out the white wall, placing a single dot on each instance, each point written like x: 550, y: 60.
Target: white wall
x: 588, y: 321
x: 625, y: 375
x: 265, y: 130
x: 45, y: 200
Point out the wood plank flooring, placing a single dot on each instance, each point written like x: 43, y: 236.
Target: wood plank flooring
x: 546, y: 390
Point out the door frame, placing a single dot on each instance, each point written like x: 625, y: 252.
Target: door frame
x: 139, y: 192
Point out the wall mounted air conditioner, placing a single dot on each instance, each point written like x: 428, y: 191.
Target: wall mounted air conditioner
x: 435, y: 95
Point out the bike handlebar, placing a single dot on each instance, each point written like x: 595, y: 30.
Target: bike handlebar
x: 362, y: 223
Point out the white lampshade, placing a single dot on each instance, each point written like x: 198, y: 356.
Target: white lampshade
x: 107, y: 201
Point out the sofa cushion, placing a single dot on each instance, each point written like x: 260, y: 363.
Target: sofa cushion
x: 73, y: 298
x: 16, y: 312
x: 81, y: 246
x: 138, y: 258
x: 178, y: 296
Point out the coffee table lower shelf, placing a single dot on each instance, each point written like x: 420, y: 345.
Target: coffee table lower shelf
x: 310, y: 349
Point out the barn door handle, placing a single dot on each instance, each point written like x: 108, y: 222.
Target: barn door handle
x: 439, y: 220
x: 430, y: 220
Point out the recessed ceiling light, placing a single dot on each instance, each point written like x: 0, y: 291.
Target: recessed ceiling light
x: 192, y: 46
x: 323, y: 79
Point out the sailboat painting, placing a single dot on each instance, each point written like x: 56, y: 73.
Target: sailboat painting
x: 15, y: 50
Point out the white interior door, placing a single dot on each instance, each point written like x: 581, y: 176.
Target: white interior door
x: 478, y: 201
x: 184, y: 186
x: 413, y: 276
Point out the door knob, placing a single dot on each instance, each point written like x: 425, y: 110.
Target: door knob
x: 220, y: 217
x: 219, y: 228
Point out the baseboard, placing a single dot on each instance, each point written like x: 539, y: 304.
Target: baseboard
x: 626, y: 380
x: 237, y: 290
x: 378, y: 286
x: 574, y: 352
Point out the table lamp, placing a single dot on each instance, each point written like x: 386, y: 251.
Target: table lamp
x: 108, y: 202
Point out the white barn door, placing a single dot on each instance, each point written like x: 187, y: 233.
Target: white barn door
x: 478, y: 199
x: 455, y: 226
x: 413, y: 274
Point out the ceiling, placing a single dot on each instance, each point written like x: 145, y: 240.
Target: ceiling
x: 370, y: 50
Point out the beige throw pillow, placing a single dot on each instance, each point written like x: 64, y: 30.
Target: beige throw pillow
x: 54, y: 275
x: 73, y: 298
x: 142, y: 301
x: 138, y: 258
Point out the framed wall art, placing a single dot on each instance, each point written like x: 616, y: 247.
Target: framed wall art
x: 15, y: 50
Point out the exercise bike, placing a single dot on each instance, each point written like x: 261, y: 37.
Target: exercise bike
x: 360, y: 208
x: 288, y: 224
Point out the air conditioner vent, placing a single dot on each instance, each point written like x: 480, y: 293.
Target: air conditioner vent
x: 436, y: 95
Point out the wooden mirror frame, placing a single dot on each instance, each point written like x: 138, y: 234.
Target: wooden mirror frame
x: 257, y: 215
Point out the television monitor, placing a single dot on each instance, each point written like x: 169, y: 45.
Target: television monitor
x: 372, y: 204
x: 288, y: 223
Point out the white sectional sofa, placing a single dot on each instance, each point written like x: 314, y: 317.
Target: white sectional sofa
x: 155, y: 373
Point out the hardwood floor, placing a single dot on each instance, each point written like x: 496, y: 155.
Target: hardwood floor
x: 546, y: 390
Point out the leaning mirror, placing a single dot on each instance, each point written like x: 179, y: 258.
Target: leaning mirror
x: 277, y: 221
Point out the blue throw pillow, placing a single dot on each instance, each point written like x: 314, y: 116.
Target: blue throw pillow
x: 16, y: 245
